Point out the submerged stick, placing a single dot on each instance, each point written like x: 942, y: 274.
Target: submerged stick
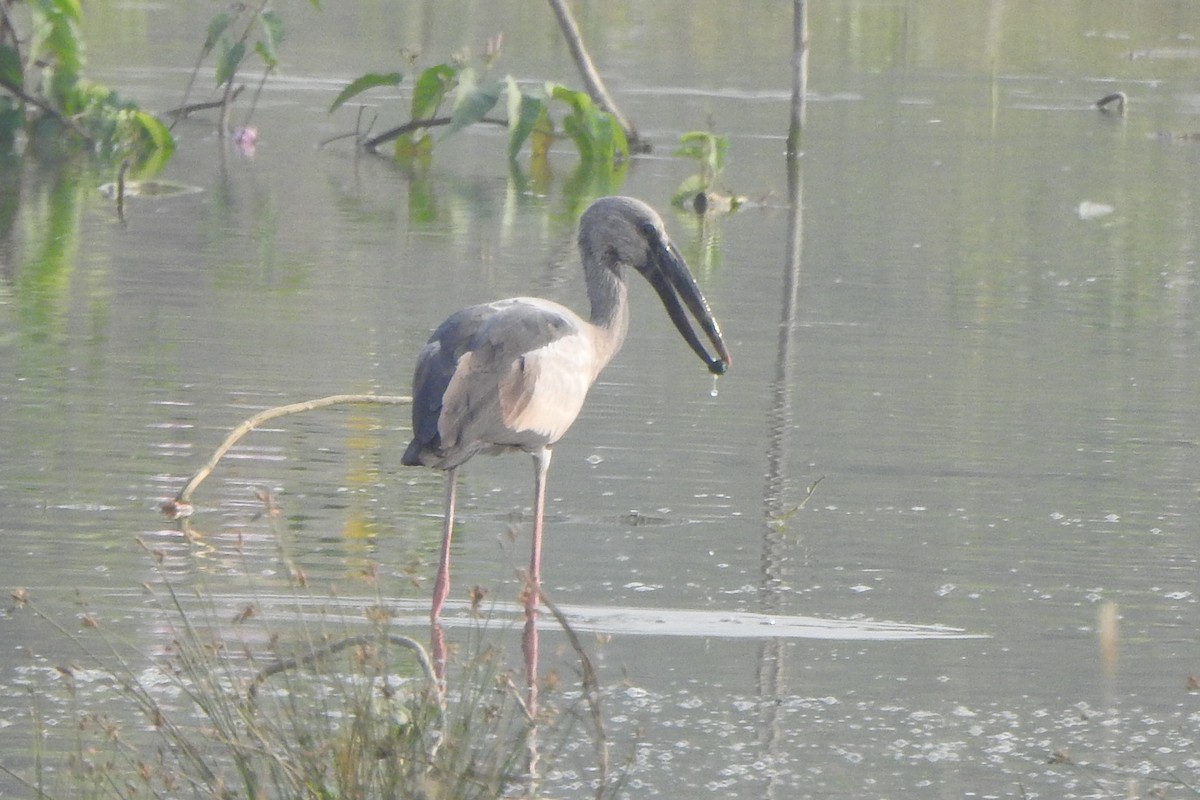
x: 121, y: 190
x: 1109, y: 102
x: 181, y: 505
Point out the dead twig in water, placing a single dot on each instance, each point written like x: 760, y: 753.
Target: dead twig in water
x: 1109, y: 102
x: 372, y: 144
x: 181, y: 505
x: 191, y: 108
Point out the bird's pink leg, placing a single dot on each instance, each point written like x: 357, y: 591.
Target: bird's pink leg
x: 529, y: 642
x: 441, y: 585
x: 541, y: 465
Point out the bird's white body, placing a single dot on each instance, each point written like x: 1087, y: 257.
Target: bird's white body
x: 494, y: 396
x: 547, y: 386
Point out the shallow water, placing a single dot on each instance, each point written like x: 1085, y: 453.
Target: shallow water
x: 994, y: 394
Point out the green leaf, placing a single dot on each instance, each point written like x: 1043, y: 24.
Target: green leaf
x: 581, y: 135
x: 707, y: 148
x: 611, y: 144
x: 431, y: 89
x: 266, y: 55
x: 472, y: 101
x: 161, y: 145
x: 596, y: 133
x: 524, y: 113
x: 55, y: 37
x: 691, y: 145
x: 580, y: 124
x: 216, y: 28
x: 268, y: 46
x: 70, y: 8
x: 231, y: 59
x: 11, y: 73
x: 362, y: 83
x: 578, y: 100
x: 157, y: 132
x: 577, y: 124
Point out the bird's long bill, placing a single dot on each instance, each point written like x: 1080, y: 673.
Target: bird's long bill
x: 674, y: 282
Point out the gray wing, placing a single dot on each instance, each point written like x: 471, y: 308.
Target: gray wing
x: 465, y: 368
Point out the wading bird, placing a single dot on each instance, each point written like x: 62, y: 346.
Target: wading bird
x: 513, y: 374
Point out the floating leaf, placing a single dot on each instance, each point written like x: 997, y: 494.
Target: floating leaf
x: 362, y: 83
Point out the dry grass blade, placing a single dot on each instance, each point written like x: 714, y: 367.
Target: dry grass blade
x: 591, y: 685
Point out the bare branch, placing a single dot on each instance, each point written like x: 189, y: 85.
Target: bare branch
x: 591, y: 77
x: 182, y: 500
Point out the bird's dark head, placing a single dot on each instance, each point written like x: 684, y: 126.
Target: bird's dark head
x: 622, y: 231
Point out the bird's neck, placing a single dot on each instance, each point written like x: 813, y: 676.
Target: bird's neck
x: 610, y: 315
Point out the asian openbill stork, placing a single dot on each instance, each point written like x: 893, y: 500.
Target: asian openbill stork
x: 513, y: 374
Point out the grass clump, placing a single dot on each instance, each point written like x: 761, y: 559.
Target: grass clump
x: 324, y: 698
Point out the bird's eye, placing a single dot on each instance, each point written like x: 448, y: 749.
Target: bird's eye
x: 649, y: 230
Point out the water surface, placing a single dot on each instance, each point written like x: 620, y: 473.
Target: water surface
x: 997, y: 393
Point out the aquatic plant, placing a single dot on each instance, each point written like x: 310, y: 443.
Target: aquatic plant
x: 47, y: 96
x: 471, y: 94
x: 228, y: 37
x: 322, y: 699
x: 234, y: 705
x: 701, y: 191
